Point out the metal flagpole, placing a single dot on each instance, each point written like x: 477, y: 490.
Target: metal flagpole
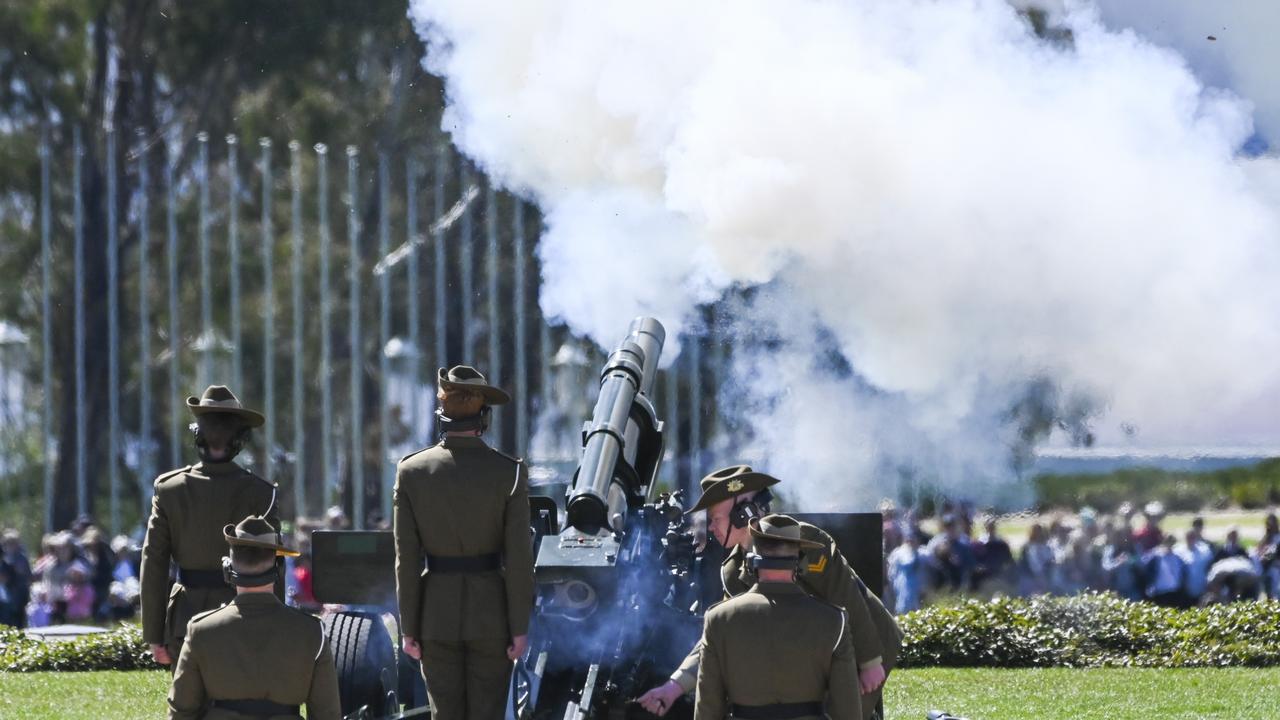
x: 522, y: 361
x: 46, y: 320
x: 145, y: 456
x: 82, y: 477
x: 206, y: 297
x: 326, y: 349
x: 384, y: 336
x: 441, y: 331
x: 175, y: 398
x: 113, y: 335
x: 415, y: 334
x: 491, y: 272
x: 357, y: 404
x: 233, y: 250
x: 268, y: 317
x: 299, y: 451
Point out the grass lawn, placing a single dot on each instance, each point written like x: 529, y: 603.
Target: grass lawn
x: 1235, y: 694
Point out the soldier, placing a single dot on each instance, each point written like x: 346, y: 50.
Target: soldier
x: 732, y: 497
x: 188, y: 510
x: 464, y: 557
x: 254, y: 657
x: 810, y: 652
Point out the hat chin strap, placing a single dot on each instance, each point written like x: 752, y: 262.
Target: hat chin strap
x: 760, y: 562
x: 234, y: 446
x: 239, y: 579
x: 478, y: 422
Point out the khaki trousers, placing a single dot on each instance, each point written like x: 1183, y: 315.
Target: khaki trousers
x: 467, y: 680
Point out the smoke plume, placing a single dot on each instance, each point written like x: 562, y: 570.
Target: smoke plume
x: 949, y: 236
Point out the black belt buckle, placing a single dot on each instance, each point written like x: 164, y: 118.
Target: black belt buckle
x: 777, y: 711
x: 201, y: 579
x: 258, y: 708
x: 464, y: 563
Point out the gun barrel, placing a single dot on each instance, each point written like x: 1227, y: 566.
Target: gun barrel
x: 622, y: 444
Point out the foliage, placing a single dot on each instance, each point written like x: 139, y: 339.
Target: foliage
x: 119, y: 649
x: 1247, y: 487
x: 1092, y: 630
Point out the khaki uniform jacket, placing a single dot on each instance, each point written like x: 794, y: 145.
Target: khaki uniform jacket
x: 188, y: 511
x: 827, y: 576
x: 463, y: 498
x: 776, y: 644
x: 255, y: 648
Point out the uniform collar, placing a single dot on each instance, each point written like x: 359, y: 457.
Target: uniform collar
x: 778, y: 588
x: 214, y: 469
x: 256, y: 599
x: 463, y: 441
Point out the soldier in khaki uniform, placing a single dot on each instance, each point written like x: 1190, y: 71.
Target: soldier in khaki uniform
x: 732, y: 496
x: 464, y: 557
x: 188, y: 511
x: 810, y: 654
x: 254, y: 657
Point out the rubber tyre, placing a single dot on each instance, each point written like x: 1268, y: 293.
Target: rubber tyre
x: 362, y: 649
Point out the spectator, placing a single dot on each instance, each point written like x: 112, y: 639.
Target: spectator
x: 1231, y: 579
x: 906, y: 575
x: 128, y: 559
x: 1198, y: 557
x: 992, y: 556
x: 1036, y: 563
x: 1232, y: 547
x: 1149, y: 536
x: 9, y: 610
x: 1265, y: 554
x: 950, y: 555
x: 102, y: 564
x: 79, y: 594
x: 1166, y: 576
x: 1076, y: 570
x: 53, y: 569
x: 1197, y: 524
x: 1121, y: 566
x: 336, y: 519
x: 18, y: 588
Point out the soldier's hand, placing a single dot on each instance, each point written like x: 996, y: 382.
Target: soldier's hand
x: 161, y: 654
x: 411, y: 648
x: 518, y: 645
x: 660, y: 699
x: 871, y: 678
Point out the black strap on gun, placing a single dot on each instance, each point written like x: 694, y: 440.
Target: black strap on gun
x: 464, y: 563
x: 777, y: 711
x: 201, y: 579
x: 258, y: 708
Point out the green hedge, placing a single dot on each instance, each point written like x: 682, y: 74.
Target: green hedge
x: 120, y: 649
x: 1094, y: 630
x: 1251, y: 487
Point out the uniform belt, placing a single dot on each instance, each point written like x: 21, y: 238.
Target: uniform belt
x: 258, y: 708
x: 201, y: 579
x: 464, y: 563
x: 777, y: 711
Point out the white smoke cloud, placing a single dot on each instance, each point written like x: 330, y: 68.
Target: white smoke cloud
x: 960, y: 206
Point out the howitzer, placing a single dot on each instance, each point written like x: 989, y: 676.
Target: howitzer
x: 617, y: 600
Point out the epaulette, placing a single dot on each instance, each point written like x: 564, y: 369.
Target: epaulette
x: 512, y: 458
x: 416, y: 452
x: 171, y: 474
x: 207, y: 613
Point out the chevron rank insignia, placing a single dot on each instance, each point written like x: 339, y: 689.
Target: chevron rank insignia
x: 818, y: 566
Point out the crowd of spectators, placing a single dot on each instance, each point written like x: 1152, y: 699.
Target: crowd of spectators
x: 77, y: 577
x: 1121, y: 553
